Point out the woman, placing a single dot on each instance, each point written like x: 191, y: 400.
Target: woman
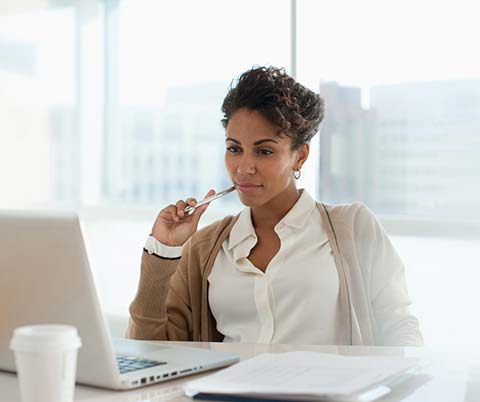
x: 286, y: 269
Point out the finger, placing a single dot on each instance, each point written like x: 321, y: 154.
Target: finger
x: 191, y: 202
x: 210, y: 192
x: 180, y: 208
x: 202, y: 208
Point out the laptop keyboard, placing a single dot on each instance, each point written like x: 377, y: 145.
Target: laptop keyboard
x: 131, y: 363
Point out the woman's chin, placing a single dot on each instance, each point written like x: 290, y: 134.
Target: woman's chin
x: 250, y: 201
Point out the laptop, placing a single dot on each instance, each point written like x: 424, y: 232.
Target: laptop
x: 45, y: 277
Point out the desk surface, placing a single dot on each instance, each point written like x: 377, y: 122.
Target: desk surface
x: 451, y: 376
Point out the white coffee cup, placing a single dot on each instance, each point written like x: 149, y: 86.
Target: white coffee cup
x: 46, y: 362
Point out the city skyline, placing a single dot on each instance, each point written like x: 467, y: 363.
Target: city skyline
x: 398, y: 156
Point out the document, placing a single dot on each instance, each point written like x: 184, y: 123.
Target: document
x: 304, y: 376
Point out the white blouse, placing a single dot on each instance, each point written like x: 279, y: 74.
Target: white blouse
x: 295, y: 301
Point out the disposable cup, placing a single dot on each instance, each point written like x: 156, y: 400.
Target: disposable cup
x: 46, y: 362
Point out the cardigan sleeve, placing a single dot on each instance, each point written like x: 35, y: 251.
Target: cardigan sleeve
x: 161, y: 308
x: 385, y: 273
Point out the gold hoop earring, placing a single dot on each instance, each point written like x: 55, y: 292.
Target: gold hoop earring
x: 297, y: 174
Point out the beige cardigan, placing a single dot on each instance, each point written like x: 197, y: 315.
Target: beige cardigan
x: 172, y: 298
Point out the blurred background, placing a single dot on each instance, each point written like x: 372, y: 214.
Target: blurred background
x: 111, y: 108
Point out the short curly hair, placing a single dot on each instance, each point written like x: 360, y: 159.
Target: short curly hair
x: 296, y: 110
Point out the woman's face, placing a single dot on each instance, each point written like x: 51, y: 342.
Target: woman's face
x: 260, y: 162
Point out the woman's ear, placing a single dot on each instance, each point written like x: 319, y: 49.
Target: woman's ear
x: 302, y: 155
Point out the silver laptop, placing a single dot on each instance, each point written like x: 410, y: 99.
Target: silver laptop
x: 45, y: 277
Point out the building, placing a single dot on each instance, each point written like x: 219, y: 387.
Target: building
x: 429, y: 142
x: 162, y: 155
x: 347, y: 147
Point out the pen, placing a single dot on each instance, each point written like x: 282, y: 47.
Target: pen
x: 190, y: 209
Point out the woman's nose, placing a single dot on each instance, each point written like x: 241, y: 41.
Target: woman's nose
x: 246, y: 165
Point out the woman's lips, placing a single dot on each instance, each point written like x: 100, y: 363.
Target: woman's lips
x: 247, y: 187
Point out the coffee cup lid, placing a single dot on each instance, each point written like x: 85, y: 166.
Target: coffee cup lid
x: 45, y: 338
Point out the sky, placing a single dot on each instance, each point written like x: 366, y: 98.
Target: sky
x: 164, y: 44
x: 365, y: 43
x: 376, y: 42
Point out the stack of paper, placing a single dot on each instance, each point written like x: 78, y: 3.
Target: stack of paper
x: 304, y: 376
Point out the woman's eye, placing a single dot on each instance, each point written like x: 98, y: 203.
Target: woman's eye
x: 233, y: 149
x: 265, y: 152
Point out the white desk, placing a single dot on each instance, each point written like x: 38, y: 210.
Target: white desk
x: 453, y: 376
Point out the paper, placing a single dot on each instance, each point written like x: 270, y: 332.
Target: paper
x: 304, y: 375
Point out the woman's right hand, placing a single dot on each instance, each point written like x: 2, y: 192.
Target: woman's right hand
x: 173, y: 226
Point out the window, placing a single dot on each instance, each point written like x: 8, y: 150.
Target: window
x: 112, y: 108
x: 38, y: 108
